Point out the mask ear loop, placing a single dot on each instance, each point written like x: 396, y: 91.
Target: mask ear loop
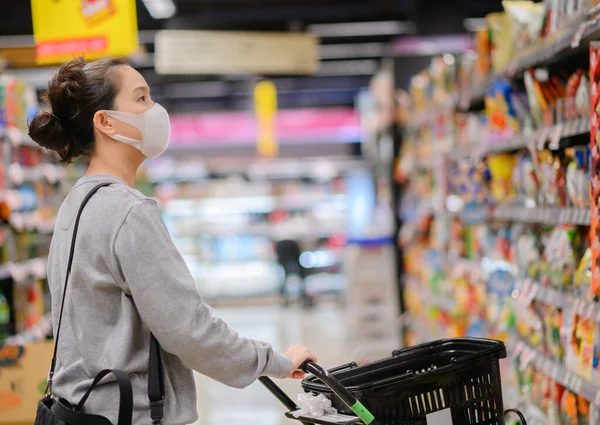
x: 136, y: 120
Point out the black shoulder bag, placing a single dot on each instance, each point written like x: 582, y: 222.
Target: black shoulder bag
x: 61, y: 412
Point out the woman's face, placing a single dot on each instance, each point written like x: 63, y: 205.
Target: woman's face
x: 133, y: 97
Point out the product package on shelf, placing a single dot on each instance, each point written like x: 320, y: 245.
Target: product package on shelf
x: 595, y: 166
x: 31, y: 190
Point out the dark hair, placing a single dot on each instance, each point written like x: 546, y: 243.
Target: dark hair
x: 75, y: 93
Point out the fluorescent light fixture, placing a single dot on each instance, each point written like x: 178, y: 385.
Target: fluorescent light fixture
x: 474, y: 24
x: 361, y: 29
x: 350, y: 67
x: 160, y: 9
x: 197, y: 90
x: 355, y: 50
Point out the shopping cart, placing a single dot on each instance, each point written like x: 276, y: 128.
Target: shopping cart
x: 446, y: 382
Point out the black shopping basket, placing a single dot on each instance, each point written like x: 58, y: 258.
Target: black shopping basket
x: 446, y: 382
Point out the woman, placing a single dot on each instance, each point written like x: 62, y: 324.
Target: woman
x: 128, y: 279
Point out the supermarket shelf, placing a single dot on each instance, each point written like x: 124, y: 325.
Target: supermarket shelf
x: 548, y: 52
x: 543, y: 215
x: 4, y: 272
x: 425, y: 164
x: 443, y: 302
x: 554, y: 137
x: 533, y: 414
x: 560, y: 47
x: 423, y: 328
x: 51, y: 173
x: 531, y: 290
x: 427, y: 115
x: 31, y: 221
x: 37, y: 333
x: 18, y: 138
x: 560, y: 373
x: 478, y: 214
x: 475, y: 95
x: 35, y: 267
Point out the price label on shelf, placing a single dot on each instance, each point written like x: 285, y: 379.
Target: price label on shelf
x: 576, y: 40
x: 577, y: 306
x: 526, y: 358
x: 555, y: 136
x: 519, y: 348
x: 597, y: 398
x: 542, y: 138
x: 589, y: 310
x: 555, y: 372
x: 531, y: 293
x: 577, y: 384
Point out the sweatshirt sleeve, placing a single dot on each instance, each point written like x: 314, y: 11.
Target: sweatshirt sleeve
x: 166, y: 297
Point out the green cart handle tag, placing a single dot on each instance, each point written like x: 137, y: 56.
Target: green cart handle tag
x: 362, y: 412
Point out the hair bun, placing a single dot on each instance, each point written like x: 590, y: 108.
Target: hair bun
x: 52, y: 130
x: 66, y: 89
x: 47, y: 131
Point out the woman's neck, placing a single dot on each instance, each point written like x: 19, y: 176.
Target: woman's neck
x: 122, y: 171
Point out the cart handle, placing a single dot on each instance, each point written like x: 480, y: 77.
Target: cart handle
x: 519, y: 414
x: 279, y: 394
x: 357, y: 407
x: 343, y: 367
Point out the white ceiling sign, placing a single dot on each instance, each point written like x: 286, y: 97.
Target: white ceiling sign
x: 226, y: 52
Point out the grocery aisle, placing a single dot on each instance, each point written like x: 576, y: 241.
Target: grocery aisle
x: 497, y: 198
x: 322, y: 329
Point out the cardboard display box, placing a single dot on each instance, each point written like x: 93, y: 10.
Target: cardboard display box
x: 23, y: 374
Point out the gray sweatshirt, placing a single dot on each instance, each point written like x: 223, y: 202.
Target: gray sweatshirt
x: 128, y: 280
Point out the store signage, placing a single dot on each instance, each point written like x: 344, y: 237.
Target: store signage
x: 227, y: 52
x: 65, y: 29
x: 265, y: 108
x: 340, y: 125
x: 10, y: 354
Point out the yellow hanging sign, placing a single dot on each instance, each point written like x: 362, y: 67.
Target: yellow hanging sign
x: 66, y: 29
x: 265, y: 105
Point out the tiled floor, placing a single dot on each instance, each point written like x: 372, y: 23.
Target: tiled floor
x: 322, y: 329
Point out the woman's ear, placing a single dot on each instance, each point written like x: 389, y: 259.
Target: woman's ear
x: 103, y: 123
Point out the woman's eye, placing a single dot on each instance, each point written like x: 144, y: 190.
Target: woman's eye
x: 143, y: 98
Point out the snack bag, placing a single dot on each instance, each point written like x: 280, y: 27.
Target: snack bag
x: 583, y: 411
x: 561, y: 255
x: 528, y: 256
x: 568, y: 404
x: 553, y: 325
x: 501, y: 167
x: 583, y: 276
x: 553, y: 409
x: 585, y: 333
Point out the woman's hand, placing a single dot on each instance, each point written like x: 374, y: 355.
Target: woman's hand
x: 299, y: 354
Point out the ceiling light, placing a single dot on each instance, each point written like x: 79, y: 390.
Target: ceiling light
x: 361, y: 29
x: 350, y: 67
x: 160, y: 9
x: 474, y: 24
x: 355, y: 50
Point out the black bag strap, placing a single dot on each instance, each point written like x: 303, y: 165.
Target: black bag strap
x: 64, y: 296
x: 125, y: 399
x: 156, y: 388
x: 156, y: 384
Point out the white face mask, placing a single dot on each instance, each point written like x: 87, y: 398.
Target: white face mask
x: 154, y: 125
